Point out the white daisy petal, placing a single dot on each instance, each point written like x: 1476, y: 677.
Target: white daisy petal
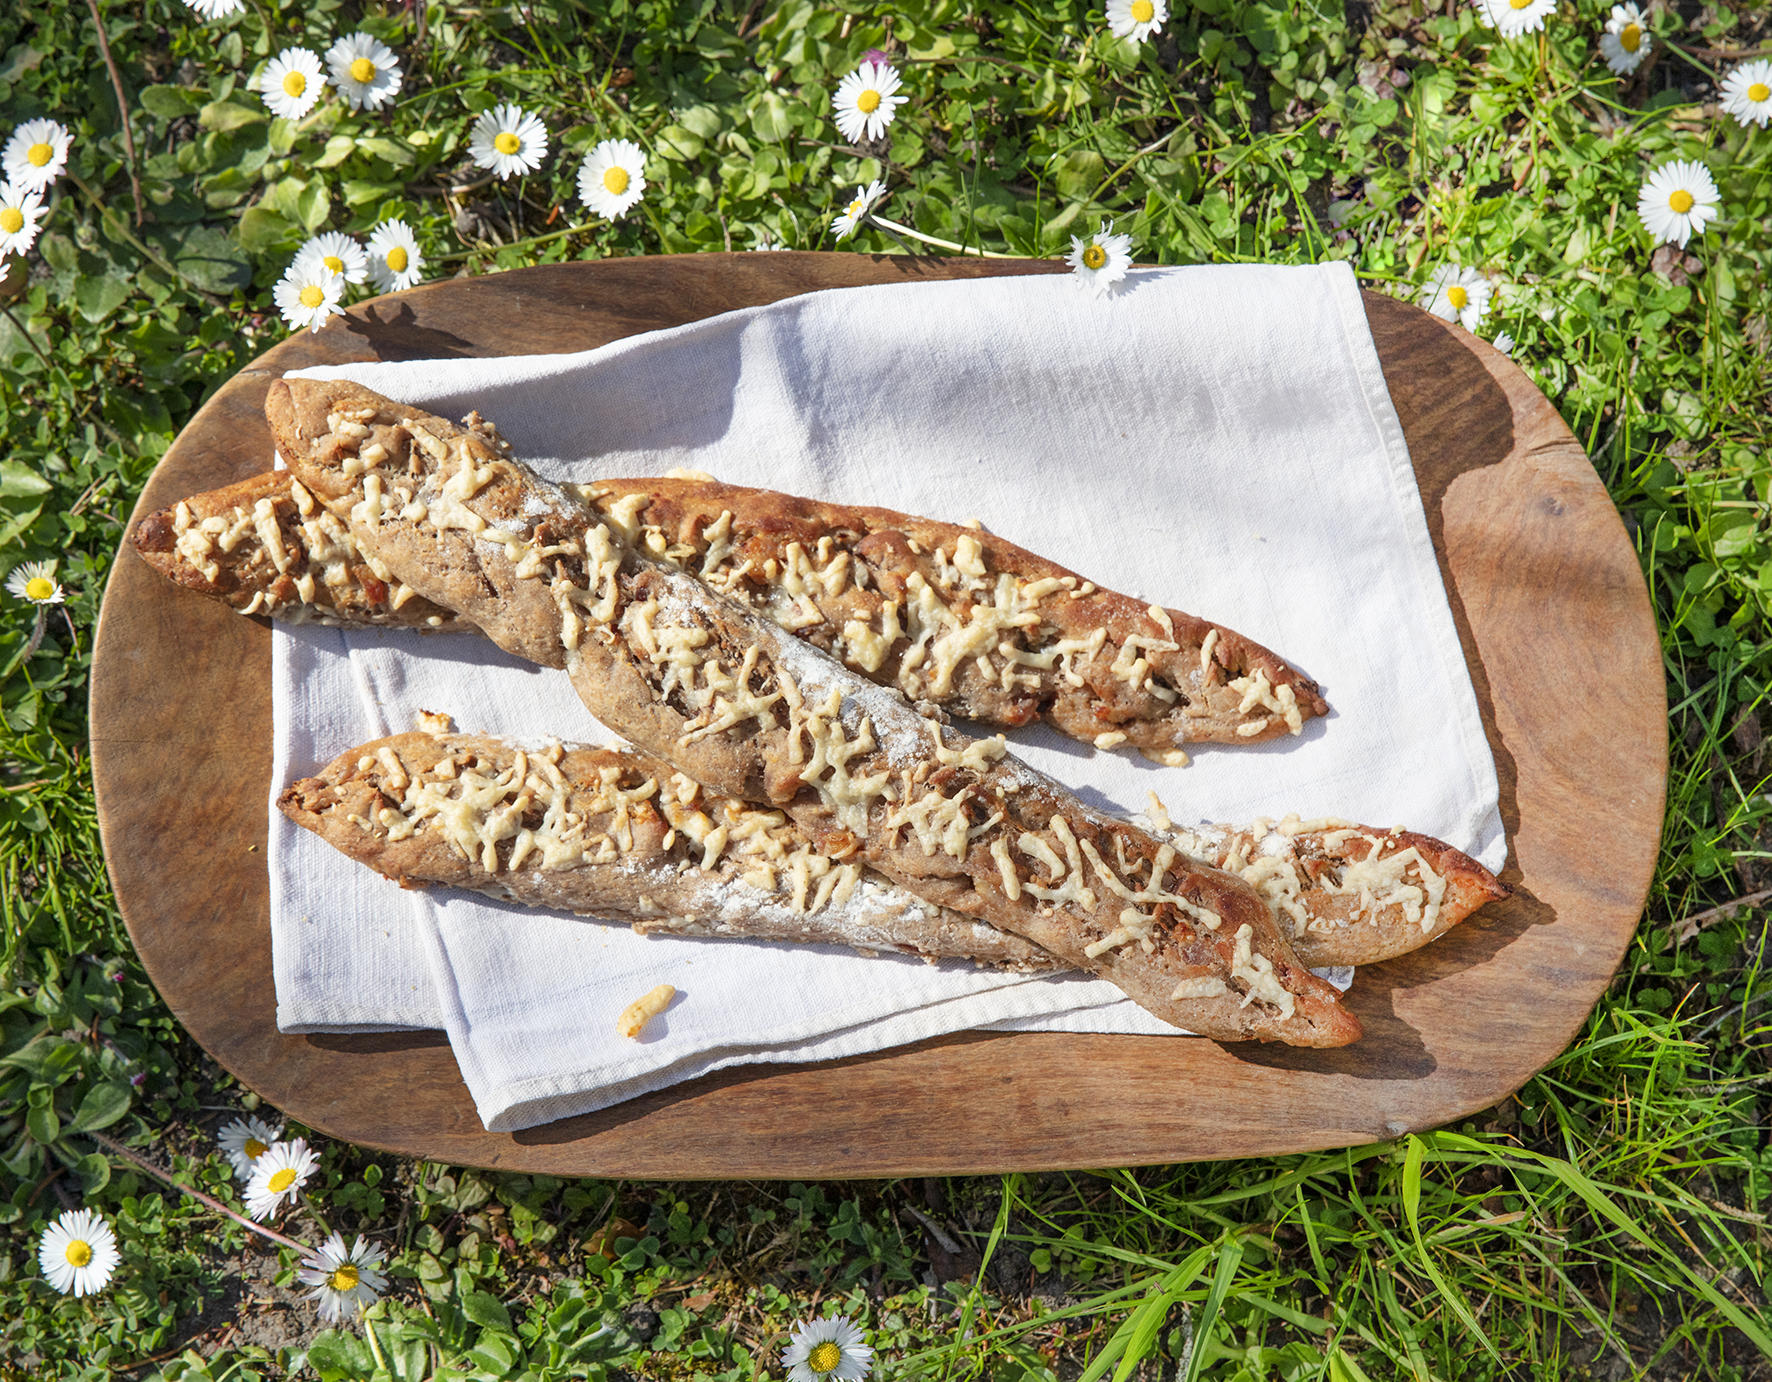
x: 21, y: 216
x: 1137, y: 19
x: 864, y: 103
x: 279, y: 1174
x: 856, y: 212
x: 1627, y: 40
x: 1503, y: 342
x: 216, y: 9
x: 36, y: 154
x: 35, y: 581
x: 364, y: 70
x: 292, y: 83
x: 78, y: 1253
x: 1747, y: 92
x: 612, y: 178
x: 334, y: 250
x: 1101, y: 261
x: 1677, y: 201
x: 1457, y: 295
x: 244, y: 1141
x: 821, y: 1350
x: 1515, y: 18
x: 508, y: 140
x: 308, y: 298
x: 345, y: 1281
x: 394, y: 258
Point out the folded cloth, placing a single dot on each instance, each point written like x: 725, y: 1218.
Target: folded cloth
x: 1214, y: 439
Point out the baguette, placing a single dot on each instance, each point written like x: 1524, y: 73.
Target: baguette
x: 619, y: 835
x: 733, y: 702
x: 263, y: 546
x: 949, y: 615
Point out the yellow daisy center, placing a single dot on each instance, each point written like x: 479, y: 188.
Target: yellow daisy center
x: 41, y: 588
x: 333, y: 262
x: 868, y: 102
x: 824, y: 1357
x: 506, y: 142
x: 254, y: 1149
x: 1759, y: 92
x: 294, y: 83
x: 79, y: 1253
x: 12, y: 220
x: 39, y: 154
x: 615, y: 181
x: 397, y: 259
x: 1458, y: 297
x: 855, y: 209
x: 282, y: 1180
x: 1143, y: 11
x: 362, y: 70
x: 1094, y: 257
x: 311, y: 296
x: 1630, y: 37
x: 344, y: 1278
x: 1519, y: 4
x: 1681, y: 201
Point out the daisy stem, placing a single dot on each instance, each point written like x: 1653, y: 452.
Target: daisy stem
x: 104, y: 48
x: 896, y: 228
x: 118, y: 1149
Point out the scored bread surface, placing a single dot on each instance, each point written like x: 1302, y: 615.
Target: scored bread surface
x: 264, y: 546
x: 733, y: 702
x: 617, y: 834
x: 947, y: 614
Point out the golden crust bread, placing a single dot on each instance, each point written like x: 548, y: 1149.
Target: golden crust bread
x: 264, y: 546
x: 619, y: 835
x: 948, y: 615
x: 733, y: 702
x: 965, y: 620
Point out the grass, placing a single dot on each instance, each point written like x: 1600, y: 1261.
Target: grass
x: 1607, y: 1222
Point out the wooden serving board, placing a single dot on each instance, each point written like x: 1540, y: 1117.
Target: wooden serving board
x: 1556, y: 627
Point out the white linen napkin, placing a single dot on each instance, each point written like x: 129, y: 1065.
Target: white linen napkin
x: 1215, y: 439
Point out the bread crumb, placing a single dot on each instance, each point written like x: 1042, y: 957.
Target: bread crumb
x: 642, y: 1010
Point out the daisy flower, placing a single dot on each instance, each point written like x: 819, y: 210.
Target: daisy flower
x: 309, y: 299
x: 36, y: 154
x: 280, y: 1173
x: 1100, y: 261
x: 1457, y: 295
x: 364, y: 71
x: 863, y: 101
x: 1516, y: 17
x: 292, y: 82
x: 1136, y: 19
x: 35, y: 581
x: 1677, y: 201
x: 332, y: 250
x: 767, y: 242
x: 1747, y: 92
x: 394, y: 258
x: 613, y: 177
x: 1626, y: 41
x: 20, y: 211
x: 822, y: 1349
x: 78, y: 1253
x: 508, y: 141
x: 216, y: 9
x: 1503, y: 342
x: 850, y: 221
x: 344, y: 1281
x: 244, y: 1141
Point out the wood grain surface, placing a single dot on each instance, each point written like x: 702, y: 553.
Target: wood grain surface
x: 1555, y: 623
